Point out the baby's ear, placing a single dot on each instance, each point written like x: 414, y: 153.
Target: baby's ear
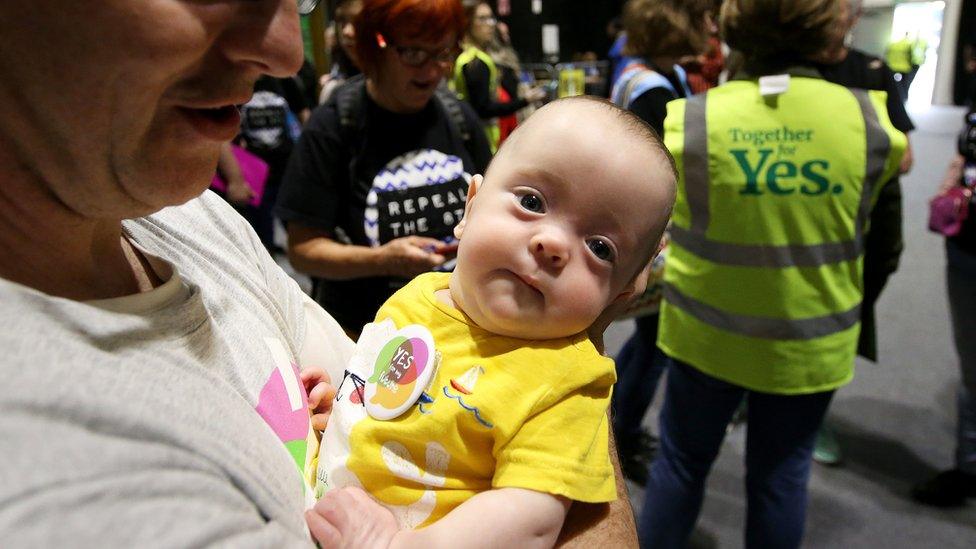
x: 660, y: 246
x: 472, y: 190
x: 617, y: 306
x: 638, y: 284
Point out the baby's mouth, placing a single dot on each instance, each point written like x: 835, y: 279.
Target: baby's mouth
x: 529, y: 281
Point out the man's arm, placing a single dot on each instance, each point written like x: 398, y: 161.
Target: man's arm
x: 606, y: 524
x: 505, y: 517
x: 602, y: 524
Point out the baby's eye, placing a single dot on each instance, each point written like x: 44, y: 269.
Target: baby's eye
x: 532, y: 202
x: 601, y: 249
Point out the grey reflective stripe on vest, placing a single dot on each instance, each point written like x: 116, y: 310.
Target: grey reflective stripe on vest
x: 753, y: 255
x: 697, y: 185
x: 693, y: 239
x: 695, y: 163
x: 763, y: 327
x: 878, y: 147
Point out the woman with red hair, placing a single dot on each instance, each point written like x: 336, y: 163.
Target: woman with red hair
x: 379, y: 177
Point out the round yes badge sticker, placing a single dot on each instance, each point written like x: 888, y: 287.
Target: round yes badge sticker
x: 401, y: 372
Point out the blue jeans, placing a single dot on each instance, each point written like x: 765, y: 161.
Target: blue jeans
x: 961, y: 284
x: 779, y: 445
x: 639, y: 367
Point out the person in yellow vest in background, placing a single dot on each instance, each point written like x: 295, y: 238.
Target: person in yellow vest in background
x: 778, y: 172
x: 904, y: 56
x: 476, y: 78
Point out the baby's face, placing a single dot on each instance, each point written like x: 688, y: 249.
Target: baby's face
x: 561, y: 224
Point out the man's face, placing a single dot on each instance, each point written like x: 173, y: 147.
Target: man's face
x: 120, y: 107
x: 560, y: 225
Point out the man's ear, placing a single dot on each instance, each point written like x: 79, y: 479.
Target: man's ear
x: 473, y: 187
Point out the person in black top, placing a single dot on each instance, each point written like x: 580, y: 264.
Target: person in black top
x: 951, y: 488
x: 659, y: 34
x: 379, y: 177
x: 477, y: 82
x: 883, y: 244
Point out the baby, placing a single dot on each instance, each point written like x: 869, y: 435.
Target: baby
x: 476, y: 409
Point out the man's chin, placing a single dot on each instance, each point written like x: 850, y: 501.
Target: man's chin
x: 151, y: 194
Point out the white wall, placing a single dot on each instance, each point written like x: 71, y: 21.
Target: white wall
x: 874, y: 30
x: 946, y: 69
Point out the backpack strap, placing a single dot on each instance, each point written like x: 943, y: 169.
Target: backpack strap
x: 683, y: 80
x: 350, y: 103
x: 452, y: 105
x: 350, y: 100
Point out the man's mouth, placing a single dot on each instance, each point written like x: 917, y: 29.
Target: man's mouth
x: 218, y: 123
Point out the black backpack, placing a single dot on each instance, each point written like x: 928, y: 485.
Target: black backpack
x: 350, y: 104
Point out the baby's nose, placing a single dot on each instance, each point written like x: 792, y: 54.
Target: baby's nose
x: 550, y: 248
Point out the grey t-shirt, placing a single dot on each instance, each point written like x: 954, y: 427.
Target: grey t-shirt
x: 174, y: 418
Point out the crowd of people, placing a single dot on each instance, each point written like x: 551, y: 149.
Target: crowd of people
x: 468, y: 239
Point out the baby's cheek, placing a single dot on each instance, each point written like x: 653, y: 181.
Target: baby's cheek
x: 585, y: 303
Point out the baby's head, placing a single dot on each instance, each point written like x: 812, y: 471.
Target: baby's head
x: 569, y: 213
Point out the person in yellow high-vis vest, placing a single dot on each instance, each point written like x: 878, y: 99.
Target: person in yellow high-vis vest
x: 779, y: 170
x: 901, y: 55
x: 476, y: 78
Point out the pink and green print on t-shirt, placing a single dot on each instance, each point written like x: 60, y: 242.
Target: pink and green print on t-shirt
x: 283, y: 403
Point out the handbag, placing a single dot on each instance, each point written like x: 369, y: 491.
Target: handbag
x: 253, y: 170
x: 949, y: 210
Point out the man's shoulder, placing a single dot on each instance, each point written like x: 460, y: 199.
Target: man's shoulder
x: 207, y: 222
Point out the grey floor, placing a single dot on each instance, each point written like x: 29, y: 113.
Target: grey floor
x: 895, y: 421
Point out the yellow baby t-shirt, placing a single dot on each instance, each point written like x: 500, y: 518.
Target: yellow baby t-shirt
x: 499, y: 412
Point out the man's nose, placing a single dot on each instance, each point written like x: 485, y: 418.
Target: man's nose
x: 267, y: 35
x: 550, y: 247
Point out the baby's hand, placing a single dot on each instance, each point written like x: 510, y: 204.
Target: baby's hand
x: 349, y: 517
x: 320, y: 394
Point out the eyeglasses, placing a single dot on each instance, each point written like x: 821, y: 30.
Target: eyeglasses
x: 417, y: 57
x: 306, y: 7
x: 486, y: 19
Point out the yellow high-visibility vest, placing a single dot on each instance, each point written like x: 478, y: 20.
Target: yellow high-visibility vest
x: 763, y: 284
x: 460, y: 87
